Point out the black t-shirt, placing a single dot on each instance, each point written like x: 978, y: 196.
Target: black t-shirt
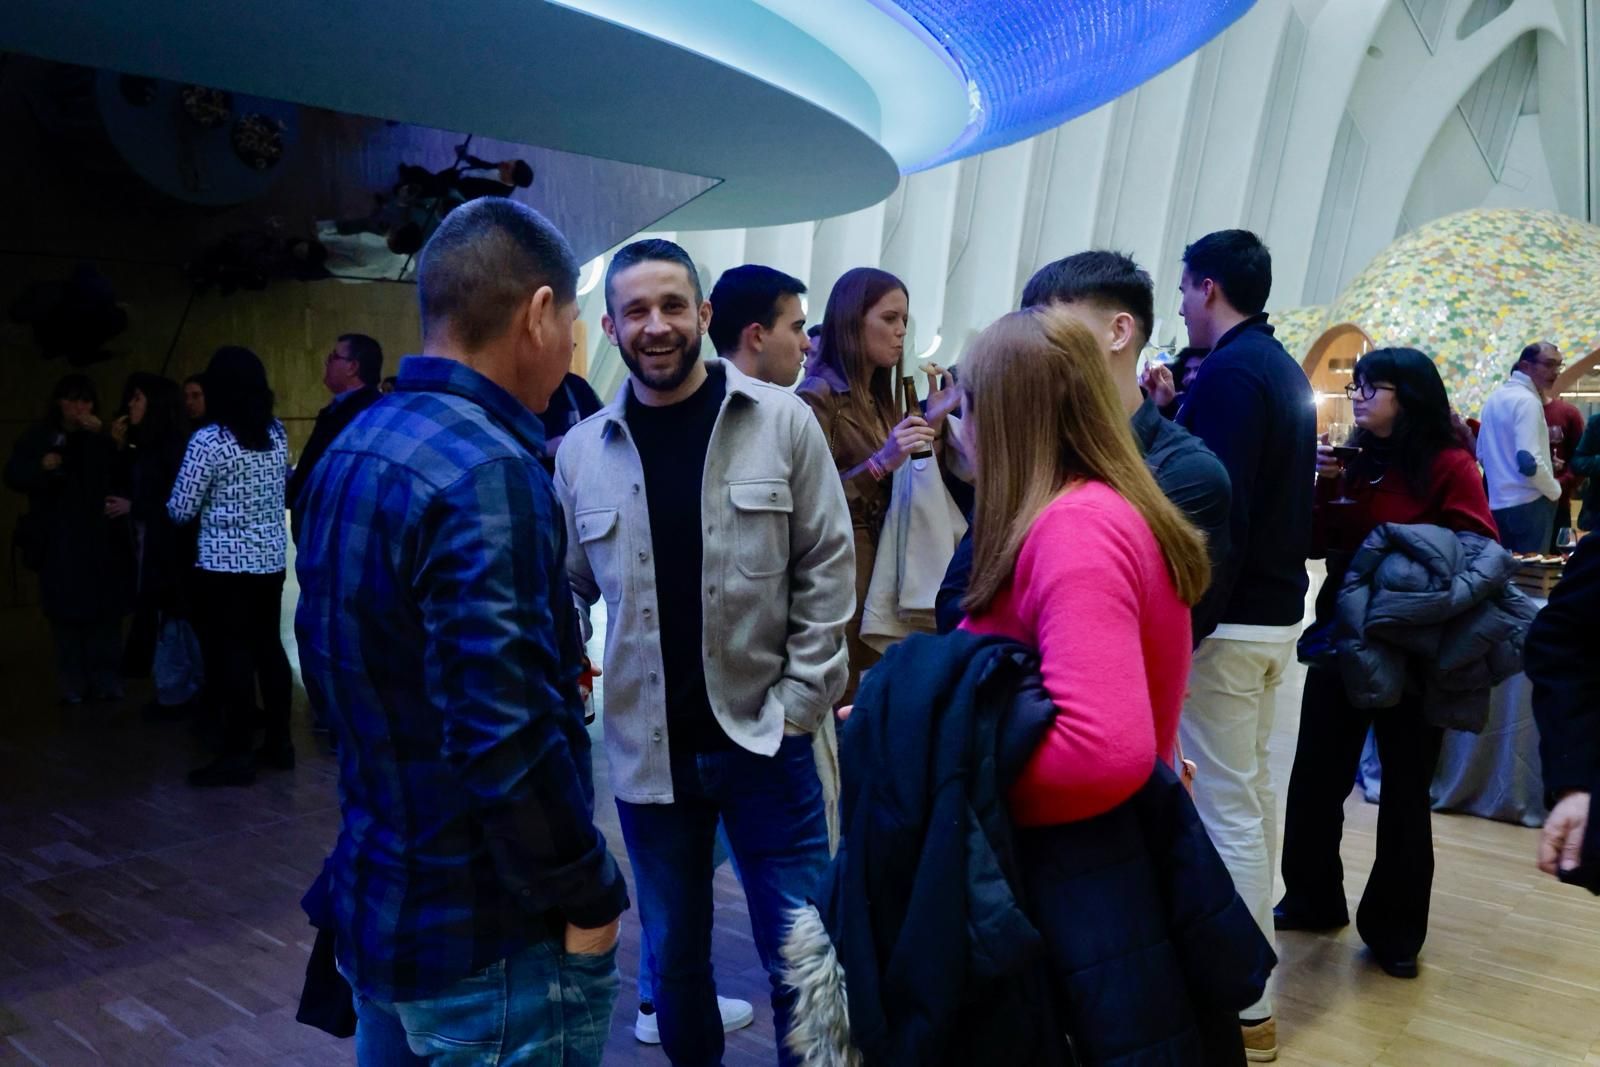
x: 672, y: 443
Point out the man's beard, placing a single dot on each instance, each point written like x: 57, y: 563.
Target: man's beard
x: 689, y: 355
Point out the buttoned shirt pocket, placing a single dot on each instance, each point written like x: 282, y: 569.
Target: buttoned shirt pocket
x: 600, y: 534
x: 762, y: 509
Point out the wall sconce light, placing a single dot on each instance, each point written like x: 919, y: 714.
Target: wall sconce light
x: 589, y: 277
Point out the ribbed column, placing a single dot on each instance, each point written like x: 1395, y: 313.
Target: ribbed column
x: 917, y: 247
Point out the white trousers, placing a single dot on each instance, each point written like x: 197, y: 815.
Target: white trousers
x: 1226, y: 722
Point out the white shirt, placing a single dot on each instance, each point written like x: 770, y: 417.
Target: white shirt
x: 1514, y: 437
x: 238, y: 494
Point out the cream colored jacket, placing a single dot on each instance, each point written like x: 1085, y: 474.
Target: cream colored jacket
x: 778, y: 568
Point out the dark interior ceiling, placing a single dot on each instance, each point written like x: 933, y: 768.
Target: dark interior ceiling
x: 118, y: 167
x: 522, y: 71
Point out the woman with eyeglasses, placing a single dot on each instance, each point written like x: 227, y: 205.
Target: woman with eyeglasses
x: 1410, y: 469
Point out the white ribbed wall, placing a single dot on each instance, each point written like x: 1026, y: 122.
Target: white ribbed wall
x: 1246, y: 132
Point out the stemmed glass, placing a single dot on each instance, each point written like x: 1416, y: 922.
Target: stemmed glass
x: 1338, y: 434
x: 1566, y: 541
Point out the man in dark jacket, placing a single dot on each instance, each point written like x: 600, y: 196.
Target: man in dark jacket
x: 80, y: 551
x: 351, y: 371
x: 1114, y: 299
x: 1560, y: 660
x: 1252, y: 405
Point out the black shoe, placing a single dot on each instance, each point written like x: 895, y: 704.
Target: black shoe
x: 155, y: 711
x: 1285, y: 919
x: 224, y: 771
x: 1396, y: 966
x: 275, y: 757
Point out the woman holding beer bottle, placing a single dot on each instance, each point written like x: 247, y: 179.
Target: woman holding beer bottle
x: 851, y: 389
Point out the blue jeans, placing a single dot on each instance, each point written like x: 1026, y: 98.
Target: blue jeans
x: 647, y: 956
x: 1527, y: 527
x: 540, y: 1007
x: 771, y: 808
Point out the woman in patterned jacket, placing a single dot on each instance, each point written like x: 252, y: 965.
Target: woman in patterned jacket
x: 233, y: 477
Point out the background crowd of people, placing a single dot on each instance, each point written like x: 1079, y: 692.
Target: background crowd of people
x: 1134, y: 544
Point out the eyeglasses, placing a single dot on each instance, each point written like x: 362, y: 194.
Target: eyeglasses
x: 1364, y: 390
x: 335, y: 356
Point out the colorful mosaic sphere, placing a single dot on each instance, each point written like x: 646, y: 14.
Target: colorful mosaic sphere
x: 1473, y: 289
x: 1297, y: 329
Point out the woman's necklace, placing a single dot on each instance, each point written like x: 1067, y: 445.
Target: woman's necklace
x: 1380, y: 470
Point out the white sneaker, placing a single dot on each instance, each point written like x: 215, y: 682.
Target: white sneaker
x: 736, y: 1015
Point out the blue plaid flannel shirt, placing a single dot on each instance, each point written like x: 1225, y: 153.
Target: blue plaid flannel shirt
x: 438, y: 639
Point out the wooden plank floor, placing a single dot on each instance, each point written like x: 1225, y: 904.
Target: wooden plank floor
x: 145, y: 923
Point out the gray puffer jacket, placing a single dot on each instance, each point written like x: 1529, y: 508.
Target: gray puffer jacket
x: 1437, y: 606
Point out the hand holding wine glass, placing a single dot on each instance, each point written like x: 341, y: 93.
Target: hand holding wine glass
x: 1342, y: 454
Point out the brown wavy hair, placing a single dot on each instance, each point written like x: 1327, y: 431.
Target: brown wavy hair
x: 1046, y: 415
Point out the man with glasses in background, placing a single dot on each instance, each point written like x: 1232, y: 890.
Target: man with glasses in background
x: 351, y: 371
x: 1514, y: 449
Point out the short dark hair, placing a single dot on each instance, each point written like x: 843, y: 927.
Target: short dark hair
x: 1531, y: 353
x: 368, y: 355
x: 1100, y: 277
x: 646, y: 251
x: 1238, y: 262
x: 744, y: 295
x: 70, y: 387
x: 487, y: 258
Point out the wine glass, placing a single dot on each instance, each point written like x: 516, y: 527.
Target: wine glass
x: 1566, y: 541
x: 1338, y: 434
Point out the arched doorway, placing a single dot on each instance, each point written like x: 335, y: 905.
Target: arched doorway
x: 1331, y: 365
x: 1570, y: 380
x: 1579, y: 384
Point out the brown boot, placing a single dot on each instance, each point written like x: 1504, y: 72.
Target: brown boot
x: 1261, y: 1041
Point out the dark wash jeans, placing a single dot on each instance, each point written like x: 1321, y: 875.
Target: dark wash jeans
x: 1527, y: 527
x: 541, y: 1007
x: 771, y: 807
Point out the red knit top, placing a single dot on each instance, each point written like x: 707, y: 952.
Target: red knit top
x: 1092, y: 593
x: 1455, y: 499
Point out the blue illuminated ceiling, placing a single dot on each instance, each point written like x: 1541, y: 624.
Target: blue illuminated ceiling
x: 1033, y: 64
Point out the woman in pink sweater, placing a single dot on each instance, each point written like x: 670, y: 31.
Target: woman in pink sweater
x: 1078, y: 554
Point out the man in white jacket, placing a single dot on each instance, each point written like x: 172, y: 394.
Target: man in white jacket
x: 1514, y: 448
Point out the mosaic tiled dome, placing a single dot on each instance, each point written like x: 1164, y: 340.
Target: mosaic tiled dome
x: 1472, y: 289
x: 1297, y: 329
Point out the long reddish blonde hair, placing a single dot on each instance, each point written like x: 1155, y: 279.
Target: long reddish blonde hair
x: 1046, y: 414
